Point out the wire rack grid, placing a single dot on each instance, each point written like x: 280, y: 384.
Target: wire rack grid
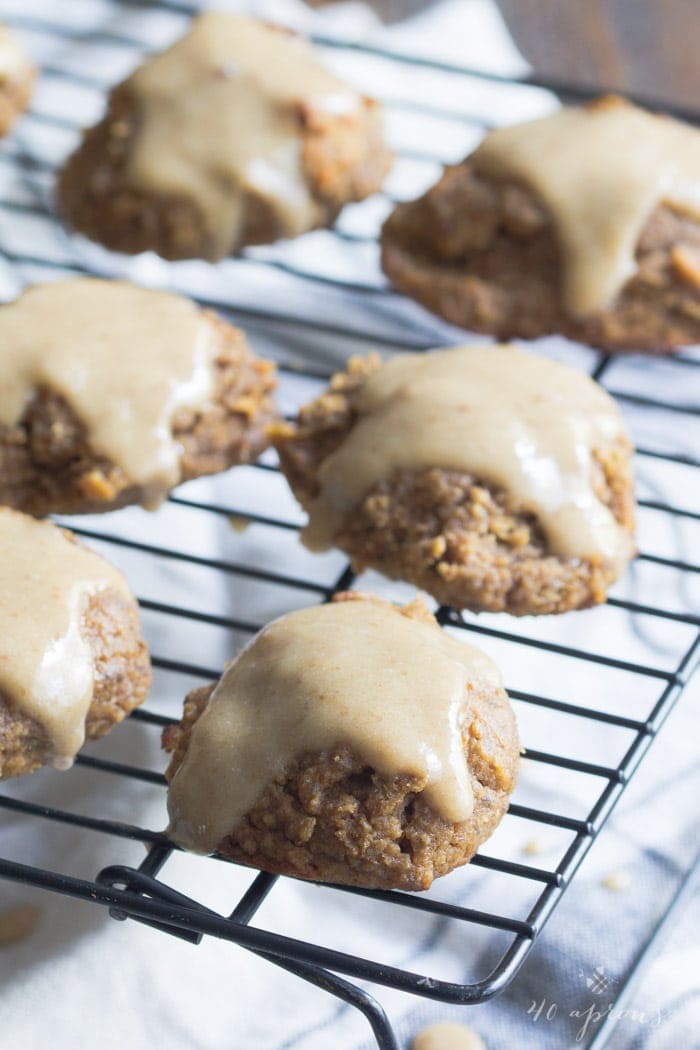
x: 623, y: 700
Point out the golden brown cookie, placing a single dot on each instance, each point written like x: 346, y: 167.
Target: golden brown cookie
x: 112, y: 394
x: 538, y: 232
x: 73, y: 662
x: 236, y: 135
x: 472, y: 538
x: 376, y: 807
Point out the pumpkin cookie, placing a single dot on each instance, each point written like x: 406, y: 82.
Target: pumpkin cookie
x: 354, y: 743
x: 493, y: 479
x: 72, y: 660
x: 235, y: 135
x: 554, y: 227
x: 112, y: 394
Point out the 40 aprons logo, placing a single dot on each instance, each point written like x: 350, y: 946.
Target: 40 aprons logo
x: 598, y: 983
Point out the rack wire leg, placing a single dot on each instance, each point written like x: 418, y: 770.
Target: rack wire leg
x: 143, y: 881
x: 349, y: 993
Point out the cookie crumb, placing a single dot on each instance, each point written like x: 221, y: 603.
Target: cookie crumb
x: 238, y: 524
x: 448, y: 1037
x: 617, y: 881
x: 534, y: 848
x: 16, y: 924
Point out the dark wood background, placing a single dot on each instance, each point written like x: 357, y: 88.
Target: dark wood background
x: 651, y: 47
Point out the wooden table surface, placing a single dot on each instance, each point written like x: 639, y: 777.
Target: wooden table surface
x: 651, y: 47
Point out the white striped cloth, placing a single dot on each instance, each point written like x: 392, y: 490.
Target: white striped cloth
x: 84, y: 980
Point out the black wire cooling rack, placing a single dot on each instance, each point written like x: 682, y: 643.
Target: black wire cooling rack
x: 40, y: 248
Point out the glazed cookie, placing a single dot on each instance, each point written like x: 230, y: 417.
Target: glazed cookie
x: 72, y: 660
x: 492, y: 478
x: 552, y: 226
x: 17, y: 76
x: 112, y: 394
x: 235, y: 135
x: 354, y: 743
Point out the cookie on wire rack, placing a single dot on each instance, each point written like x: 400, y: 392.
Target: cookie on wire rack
x: 354, y: 742
x: 111, y: 394
x: 492, y: 478
x: 553, y: 226
x: 235, y: 135
x: 73, y: 662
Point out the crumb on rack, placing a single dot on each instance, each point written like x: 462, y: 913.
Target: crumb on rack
x: 238, y: 523
x: 617, y: 881
x: 534, y: 847
x: 18, y: 923
x: 448, y: 1036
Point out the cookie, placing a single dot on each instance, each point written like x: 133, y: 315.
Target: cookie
x: 112, y: 394
x: 235, y: 135
x: 73, y: 662
x: 552, y: 227
x: 354, y: 743
x: 491, y: 478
